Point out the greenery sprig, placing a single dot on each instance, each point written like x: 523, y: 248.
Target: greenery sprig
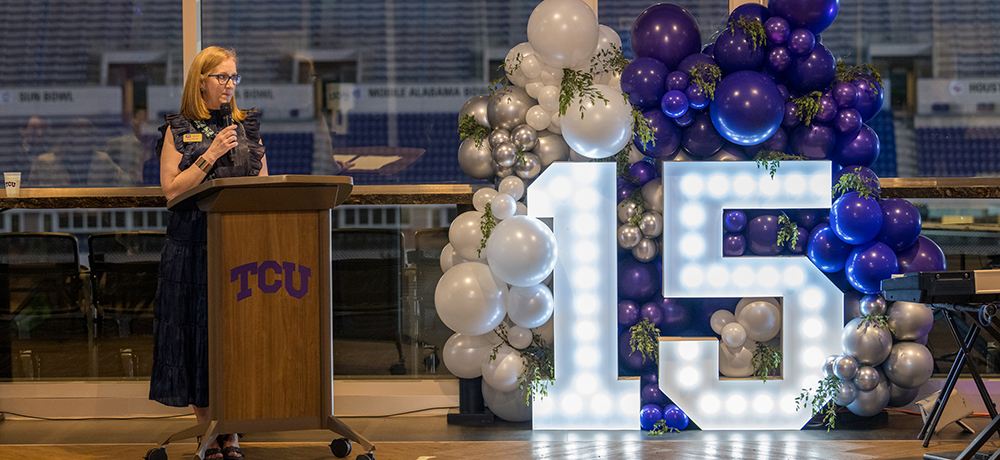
x: 771, y: 160
x: 645, y: 339
x: 879, y: 321
x: 538, y: 358
x: 578, y: 85
x: 661, y: 428
x: 808, y: 106
x: 502, y: 81
x: 642, y: 129
x: 852, y: 182
x: 788, y: 231
x: 752, y: 28
x: 846, y: 73
x: 623, y: 167
x: 765, y: 359
x: 636, y: 219
x: 706, y: 76
x: 469, y: 127
x: 608, y: 60
x: 486, y: 224
x: 822, y: 400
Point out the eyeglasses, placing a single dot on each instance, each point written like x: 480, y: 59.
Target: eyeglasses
x: 224, y: 79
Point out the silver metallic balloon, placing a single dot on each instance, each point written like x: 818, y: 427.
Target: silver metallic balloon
x: 476, y: 161
x: 627, y: 210
x: 503, y: 171
x: 828, y: 365
x: 651, y: 224
x: 909, y: 365
x: 846, y: 393
x: 499, y: 136
x: 652, y: 195
x: 845, y: 368
x: 628, y: 236
x: 869, y: 403
x: 873, y: 304
x: 524, y: 136
x: 476, y: 108
x: 645, y: 251
x: 910, y: 321
x: 551, y: 147
x: 867, y: 378
x: 899, y: 396
x: 508, y: 107
x: 505, y: 154
x: 528, y: 167
x: 869, y: 344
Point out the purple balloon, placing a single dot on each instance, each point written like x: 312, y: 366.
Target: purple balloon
x: 867, y: 176
x: 750, y: 11
x: 923, y: 256
x: 637, y: 280
x: 855, y: 219
x: 861, y: 149
x: 652, y: 312
x: 869, y: 264
x: 735, y: 221
x: 701, y: 139
x: 696, y: 98
x: 674, y: 417
x: 827, y: 108
x: 666, y: 135
x: 667, y: 33
x: 709, y: 50
x: 632, y: 360
x: 807, y: 219
x: 676, y: 317
x: 790, y: 116
x: 748, y: 108
x: 677, y: 80
x: 762, y: 235
x: 628, y: 313
x: 649, y: 415
x: 642, y: 171
x: 777, y: 29
x: 785, y: 96
x: 846, y: 94
x: 693, y: 60
x: 800, y: 243
x: 801, y: 42
x: 778, y: 59
x: 674, y: 104
x: 733, y: 244
x: 900, y: 224
x: 734, y: 51
x: 815, y: 15
x: 870, y: 96
x: 826, y: 251
x: 814, y: 71
x: 778, y: 142
x: 651, y: 394
x: 852, y: 304
x: 847, y: 122
x: 685, y: 120
x: 815, y: 141
x: 624, y: 189
x: 643, y: 80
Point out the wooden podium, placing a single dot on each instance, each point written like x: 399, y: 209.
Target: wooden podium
x: 270, y: 344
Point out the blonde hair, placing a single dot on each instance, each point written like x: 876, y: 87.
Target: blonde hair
x: 192, y: 104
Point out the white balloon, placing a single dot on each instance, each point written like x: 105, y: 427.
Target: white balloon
x: 503, y: 206
x: 720, y: 319
x: 522, y: 209
x: 548, y: 98
x: 519, y: 337
x: 463, y: 355
x: 532, y: 88
x: 512, y: 406
x: 733, y: 335
x: 652, y: 195
x: 502, y: 373
x: 513, y: 186
x: 522, y: 250
x: 736, y: 362
x: 493, y: 338
x: 615, y: 82
x: 608, y: 42
x: 483, y: 196
x: 529, y: 306
x: 552, y: 76
x: 634, y: 155
x: 563, y: 32
x: 762, y: 321
x: 512, y: 63
x: 466, y: 235
x: 546, y: 331
x: 604, y: 129
x: 749, y: 300
x: 531, y: 67
x: 537, y: 117
x: 555, y: 126
x: 470, y: 299
x: 447, y: 257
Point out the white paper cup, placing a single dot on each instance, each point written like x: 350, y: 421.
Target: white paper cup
x: 12, y: 182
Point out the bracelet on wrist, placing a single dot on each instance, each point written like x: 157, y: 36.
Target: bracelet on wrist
x: 203, y: 164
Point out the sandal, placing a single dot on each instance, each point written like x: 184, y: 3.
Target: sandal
x: 232, y: 450
x: 211, y: 452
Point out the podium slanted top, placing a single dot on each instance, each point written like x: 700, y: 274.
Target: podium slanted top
x: 266, y: 194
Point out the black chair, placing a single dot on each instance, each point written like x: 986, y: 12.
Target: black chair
x: 123, y: 270
x: 425, y: 272
x: 46, y: 322
x: 367, y: 292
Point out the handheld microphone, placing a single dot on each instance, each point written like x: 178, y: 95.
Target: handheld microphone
x: 227, y: 118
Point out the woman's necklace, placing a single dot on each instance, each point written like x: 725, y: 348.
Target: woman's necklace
x: 204, y: 128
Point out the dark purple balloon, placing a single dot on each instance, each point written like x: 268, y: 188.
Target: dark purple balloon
x: 790, y: 116
x: 649, y: 415
x: 666, y: 135
x: 685, y: 120
x: 827, y: 108
x: 801, y: 42
x: 870, y: 96
x: 632, y: 360
x: 733, y: 244
x: 778, y: 142
x: 923, y: 256
x: 674, y: 417
x: 847, y: 122
x: 846, y: 94
x: 800, y: 243
x: 751, y: 11
x: 637, y: 280
x: 777, y: 29
x: 701, y: 139
x: 709, y: 50
x: 734, y: 51
x: 642, y: 171
x: 667, y: 33
x: 867, y: 176
x: 628, y: 313
x: 856, y: 219
x: 778, y: 59
x: 826, y: 251
x: 869, y: 264
x: 814, y: 71
x: 815, y: 15
x: 807, y: 219
x: 624, y: 189
x: 815, y: 141
x: 861, y: 149
x: 677, y: 80
x: 696, y: 98
x: 652, y: 312
x: 644, y: 80
x: 852, y: 304
x: 900, y: 224
x: 693, y: 60
x: 735, y: 221
x: 747, y: 109
x: 785, y: 96
x: 674, y: 104
x: 651, y: 394
x: 762, y: 235
x: 676, y: 317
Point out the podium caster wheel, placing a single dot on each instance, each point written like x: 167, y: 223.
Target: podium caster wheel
x: 156, y: 454
x: 368, y: 456
x: 341, y: 447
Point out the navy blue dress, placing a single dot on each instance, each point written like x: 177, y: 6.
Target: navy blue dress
x: 180, y: 325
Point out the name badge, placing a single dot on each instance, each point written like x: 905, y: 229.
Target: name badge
x: 196, y: 137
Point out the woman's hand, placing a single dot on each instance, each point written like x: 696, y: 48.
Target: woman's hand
x: 225, y: 141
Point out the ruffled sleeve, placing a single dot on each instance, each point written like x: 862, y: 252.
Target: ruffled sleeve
x: 251, y: 125
x: 179, y: 126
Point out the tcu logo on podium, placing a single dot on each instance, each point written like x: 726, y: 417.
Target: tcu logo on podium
x: 286, y: 271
